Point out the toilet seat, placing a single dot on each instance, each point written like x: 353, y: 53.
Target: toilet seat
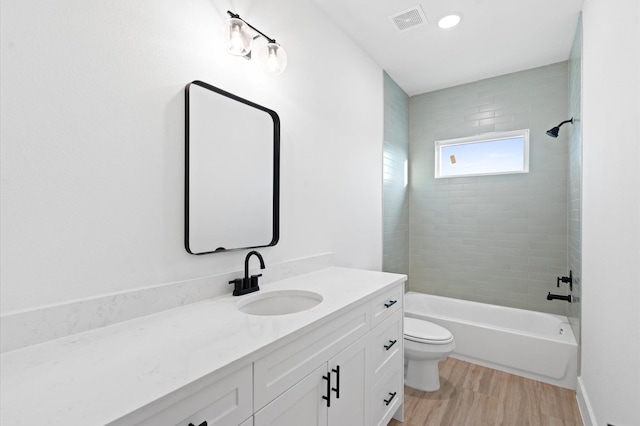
x: 422, y: 331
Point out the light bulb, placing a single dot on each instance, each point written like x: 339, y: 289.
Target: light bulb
x: 272, y: 61
x: 238, y: 37
x: 273, y: 58
x: 236, y: 45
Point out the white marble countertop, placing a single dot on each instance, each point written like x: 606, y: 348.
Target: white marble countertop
x: 101, y: 375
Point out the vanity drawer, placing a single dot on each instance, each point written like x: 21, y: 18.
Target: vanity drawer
x: 385, y: 305
x: 385, y: 341
x: 226, y: 401
x: 387, y: 395
x: 277, y: 371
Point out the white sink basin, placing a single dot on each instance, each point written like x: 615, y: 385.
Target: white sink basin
x: 281, y: 302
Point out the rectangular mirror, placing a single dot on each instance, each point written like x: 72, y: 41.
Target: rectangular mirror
x: 232, y: 168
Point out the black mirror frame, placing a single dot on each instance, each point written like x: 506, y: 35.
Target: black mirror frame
x: 276, y: 168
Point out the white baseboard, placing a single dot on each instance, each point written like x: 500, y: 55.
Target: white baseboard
x: 586, y: 411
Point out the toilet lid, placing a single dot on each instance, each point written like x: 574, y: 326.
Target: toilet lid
x: 424, y: 331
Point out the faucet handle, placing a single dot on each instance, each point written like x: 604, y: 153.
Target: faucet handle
x: 254, y: 281
x: 237, y: 286
x: 568, y: 280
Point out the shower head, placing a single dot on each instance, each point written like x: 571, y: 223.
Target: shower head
x: 554, y: 132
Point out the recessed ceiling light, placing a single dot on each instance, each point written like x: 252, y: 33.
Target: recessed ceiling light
x: 450, y: 21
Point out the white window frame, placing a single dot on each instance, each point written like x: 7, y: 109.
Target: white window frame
x: 485, y: 137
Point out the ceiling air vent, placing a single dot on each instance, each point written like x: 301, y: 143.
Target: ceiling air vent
x: 409, y: 18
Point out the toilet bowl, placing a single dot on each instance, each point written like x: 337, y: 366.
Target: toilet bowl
x: 425, y: 344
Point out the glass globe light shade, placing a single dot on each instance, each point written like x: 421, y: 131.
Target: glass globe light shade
x: 273, y: 58
x: 238, y: 37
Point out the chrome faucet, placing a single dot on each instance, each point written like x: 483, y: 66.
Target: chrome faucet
x: 248, y: 284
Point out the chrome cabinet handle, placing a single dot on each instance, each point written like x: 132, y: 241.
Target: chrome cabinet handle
x: 391, y: 343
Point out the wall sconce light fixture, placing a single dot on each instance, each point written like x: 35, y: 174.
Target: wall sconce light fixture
x: 238, y: 32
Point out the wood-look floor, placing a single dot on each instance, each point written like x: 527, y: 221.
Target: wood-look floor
x: 471, y: 395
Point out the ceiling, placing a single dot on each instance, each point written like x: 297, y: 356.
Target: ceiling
x: 495, y: 37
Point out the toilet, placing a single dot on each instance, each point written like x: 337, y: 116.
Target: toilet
x: 425, y: 343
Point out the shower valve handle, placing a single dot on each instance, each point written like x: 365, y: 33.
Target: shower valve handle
x: 568, y: 279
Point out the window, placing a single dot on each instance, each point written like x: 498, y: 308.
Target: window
x: 488, y: 154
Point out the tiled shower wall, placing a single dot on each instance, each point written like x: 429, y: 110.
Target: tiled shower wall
x: 575, y: 180
x: 395, y: 195
x: 494, y: 239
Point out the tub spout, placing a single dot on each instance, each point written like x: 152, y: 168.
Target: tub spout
x: 559, y: 297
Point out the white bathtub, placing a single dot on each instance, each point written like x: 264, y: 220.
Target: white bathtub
x: 526, y: 343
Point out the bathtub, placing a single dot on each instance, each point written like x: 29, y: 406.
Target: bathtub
x: 530, y: 344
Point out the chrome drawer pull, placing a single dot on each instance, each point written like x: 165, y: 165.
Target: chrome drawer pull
x: 391, y: 343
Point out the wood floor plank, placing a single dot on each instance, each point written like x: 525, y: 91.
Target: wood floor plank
x: 472, y: 395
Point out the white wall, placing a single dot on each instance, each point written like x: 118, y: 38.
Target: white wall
x: 611, y: 211
x: 93, y: 148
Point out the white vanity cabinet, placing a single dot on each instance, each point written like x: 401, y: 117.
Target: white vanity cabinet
x: 357, y: 385
x: 337, y: 363
x: 343, y: 371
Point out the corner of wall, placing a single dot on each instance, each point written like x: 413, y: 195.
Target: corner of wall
x: 395, y: 197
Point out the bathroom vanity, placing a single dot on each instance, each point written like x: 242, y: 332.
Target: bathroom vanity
x: 339, y: 362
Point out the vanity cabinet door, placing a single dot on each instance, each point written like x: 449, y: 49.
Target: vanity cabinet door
x: 349, y: 383
x: 301, y: 405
